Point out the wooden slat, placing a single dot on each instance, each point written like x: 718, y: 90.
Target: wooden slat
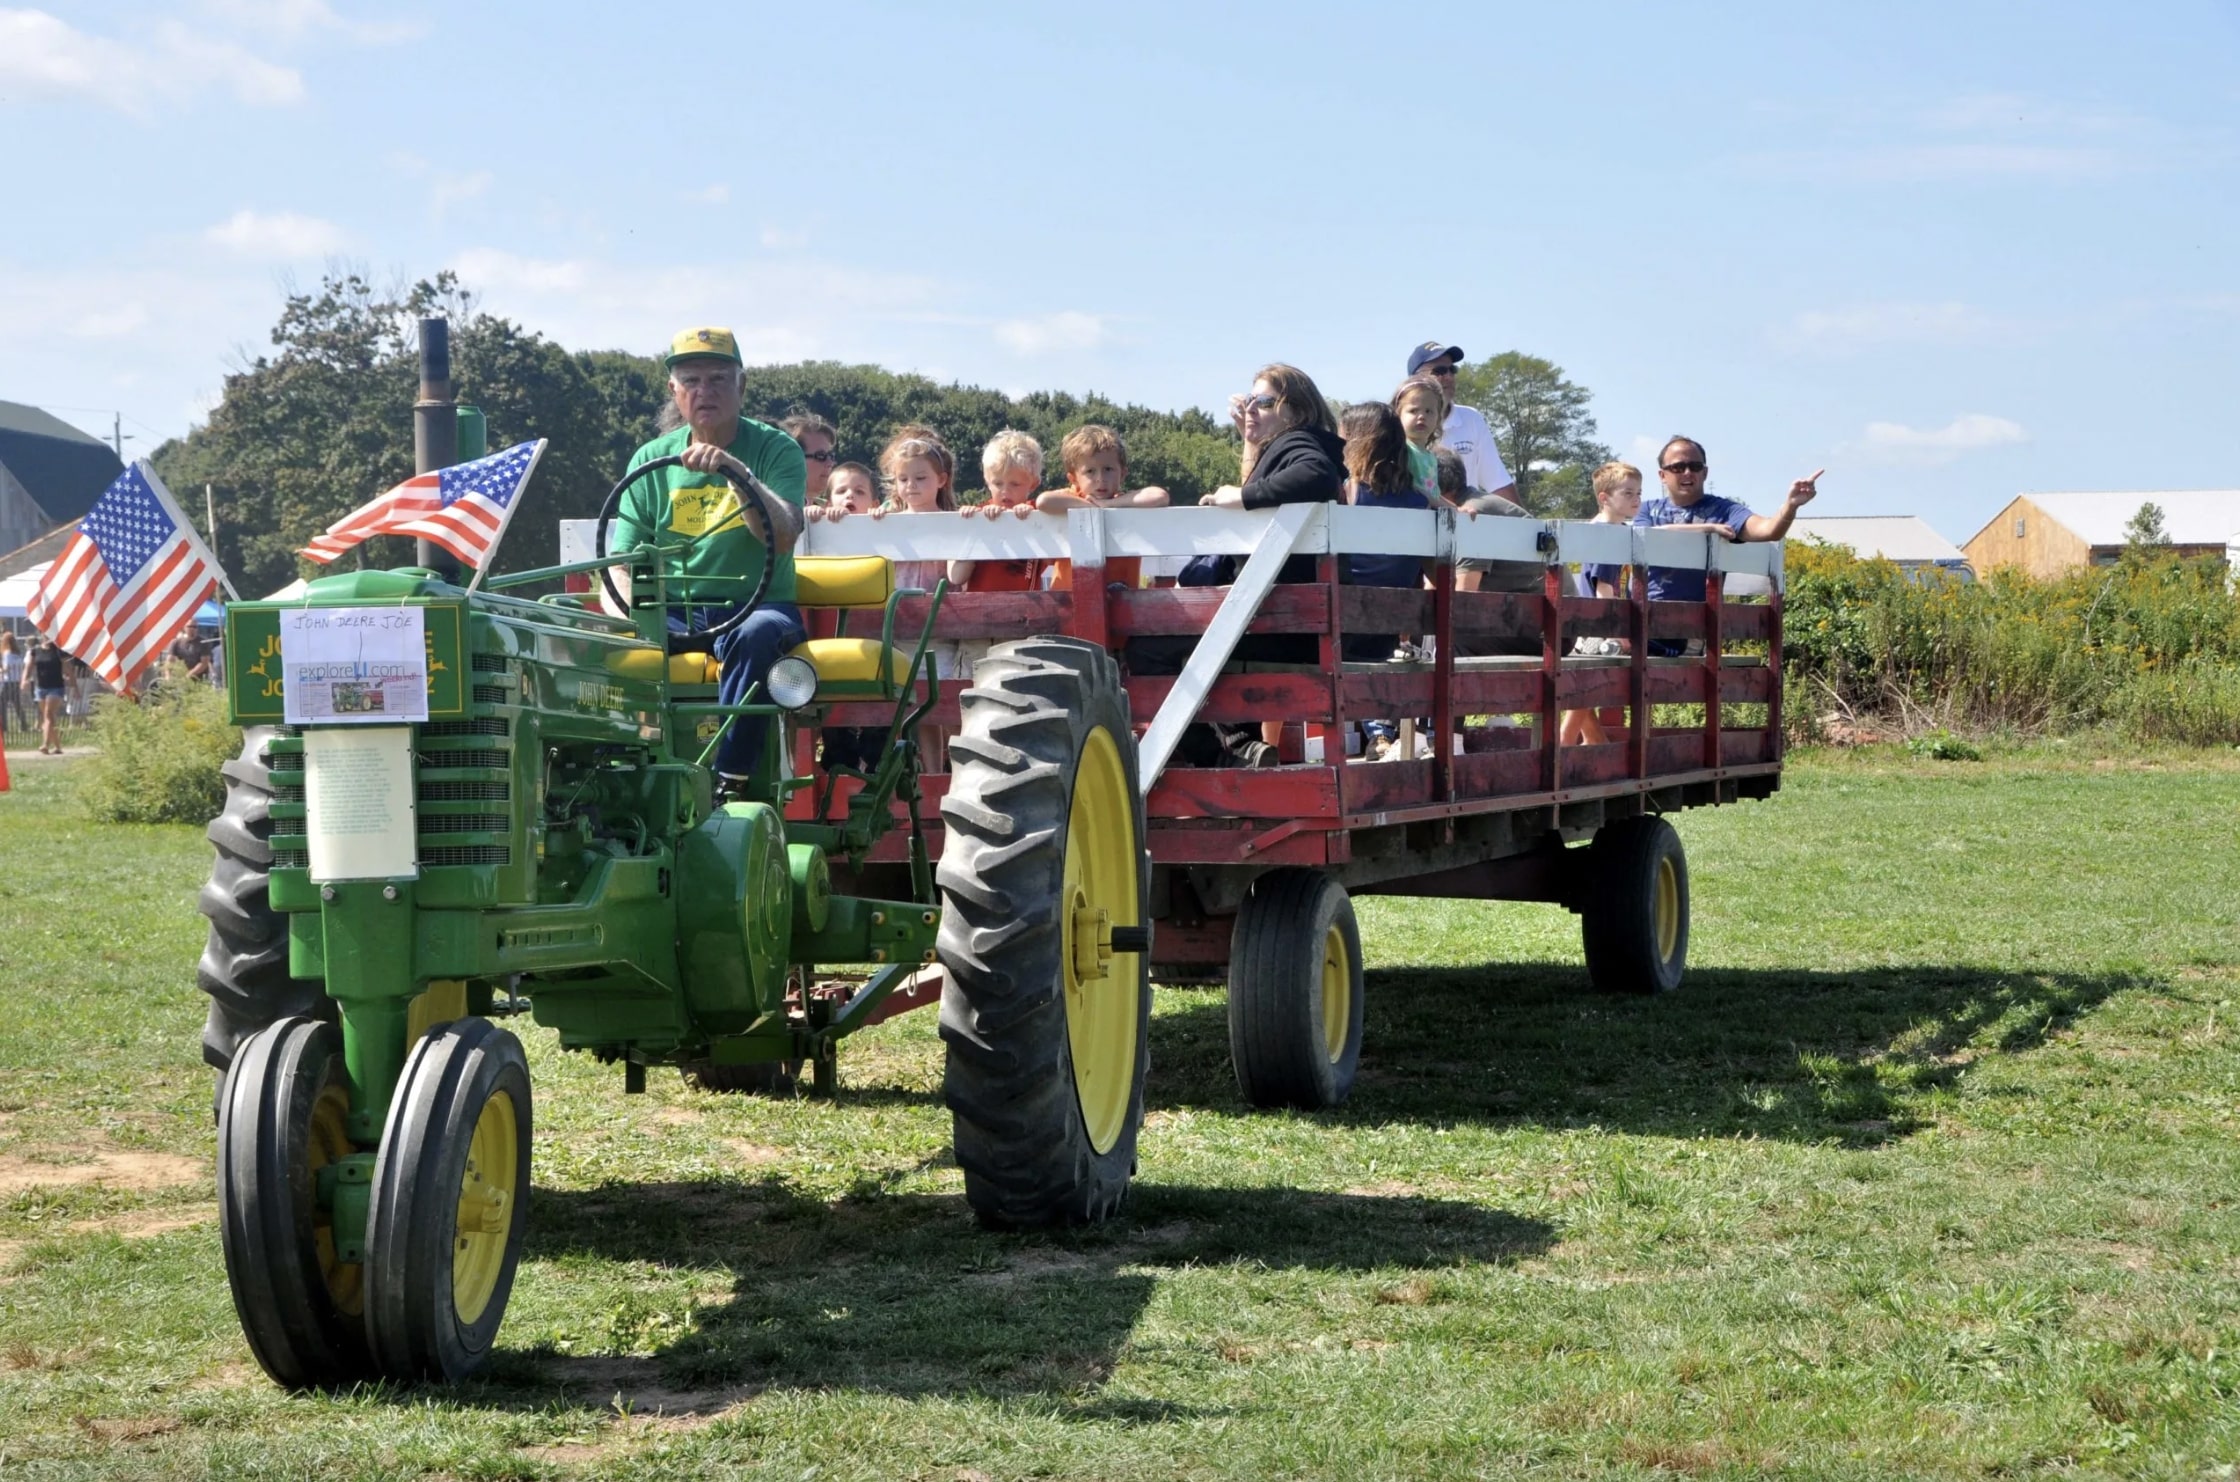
x: 1745, y: 685
x: 1490, y: 774
x: 1170, y: 611
x: 1384, y: 609
x: 1589, y: 766
x: 1375, y: 787
x: 1283, y: 793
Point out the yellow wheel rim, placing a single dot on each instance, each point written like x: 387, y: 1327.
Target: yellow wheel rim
x: 486, y: 1208
x: 1337, y: 993
x: 1668, y: 910
x: 1101, y: 985
x: 330, y: 1142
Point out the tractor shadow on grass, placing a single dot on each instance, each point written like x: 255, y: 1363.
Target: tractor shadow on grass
x: 905, y: 1294
x: 1814, y: 1057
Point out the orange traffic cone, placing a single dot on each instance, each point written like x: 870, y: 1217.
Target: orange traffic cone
x: 3, y: 766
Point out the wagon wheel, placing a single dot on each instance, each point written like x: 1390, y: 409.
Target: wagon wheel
x: 244, y: 966
x: 1048, y: 1002
x: 1295, y: 1000
x: 1634, y: 914
x: 283, y: 1114
x: 450, y: 1194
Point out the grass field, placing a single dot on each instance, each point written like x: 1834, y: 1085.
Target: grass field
x: 1930, y: 1170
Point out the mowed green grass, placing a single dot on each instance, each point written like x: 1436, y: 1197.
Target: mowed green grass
x: 1928, y: 1171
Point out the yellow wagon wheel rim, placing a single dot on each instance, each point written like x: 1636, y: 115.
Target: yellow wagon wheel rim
x: 1337, y: 993
x: 1668, y: 909
x: 330, y: 1143
x: 486, y: 1209
x: 1101, y: 985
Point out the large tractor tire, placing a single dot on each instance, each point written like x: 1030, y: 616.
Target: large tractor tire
x: 450, y: 1203
x: 283, y: 1114
x: 1048, y: 1004
x: 1634, y: 907
x: 244, y: 967
x: 1295, y: 999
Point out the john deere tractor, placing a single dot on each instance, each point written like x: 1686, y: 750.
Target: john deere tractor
x: 566, y: 857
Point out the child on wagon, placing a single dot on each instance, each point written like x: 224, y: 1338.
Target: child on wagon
x: 1379, y: 476
x: 1011, y: 464
x: 1096, y: 464
x: 1617, y: 499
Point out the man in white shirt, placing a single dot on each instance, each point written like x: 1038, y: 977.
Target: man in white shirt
x: 1466, y: 430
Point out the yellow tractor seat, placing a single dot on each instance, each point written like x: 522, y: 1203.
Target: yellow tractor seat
x: 851, y: 665
x: 645, y: 663
x: 842, y: 581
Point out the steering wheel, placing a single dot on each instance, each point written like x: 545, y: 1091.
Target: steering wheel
x: 751, y: 492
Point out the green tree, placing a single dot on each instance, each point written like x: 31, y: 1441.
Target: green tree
x: 2146, y: 528
x: 1544, y: 429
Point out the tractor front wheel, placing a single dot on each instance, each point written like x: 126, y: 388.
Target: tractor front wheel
x: 283, y: 1115
x: 450, y: 1202
x: 1048, y: 1002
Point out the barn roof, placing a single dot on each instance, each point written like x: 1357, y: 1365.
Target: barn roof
x: 1902, y: 538
x: 62, y: 469
x: 2192, y: 516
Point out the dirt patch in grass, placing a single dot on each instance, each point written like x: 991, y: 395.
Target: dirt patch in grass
x: 114, y: 1170
x: 637, y: 1388
x: 124, y: 1430
x: 754, y: 1154
x: 1691, y: 1458
x: 145, y: 1224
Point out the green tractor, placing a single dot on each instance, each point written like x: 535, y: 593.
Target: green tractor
x: 548, y: 841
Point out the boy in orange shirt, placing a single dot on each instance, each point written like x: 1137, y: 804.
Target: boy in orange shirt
x: 1012, y: 466
x: 1096, y: 464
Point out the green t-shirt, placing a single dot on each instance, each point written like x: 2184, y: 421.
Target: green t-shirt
x: 676, y: 503
x: 1423, y: 467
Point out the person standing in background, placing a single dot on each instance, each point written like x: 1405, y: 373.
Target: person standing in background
x: 11, y: 686
x: 1466, y: 430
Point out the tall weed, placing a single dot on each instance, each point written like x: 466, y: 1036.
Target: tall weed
x: 157, y: 758
x: 2152, y: 643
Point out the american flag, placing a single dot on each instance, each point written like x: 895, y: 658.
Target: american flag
x: 131, y: 575
x: 463, y: 508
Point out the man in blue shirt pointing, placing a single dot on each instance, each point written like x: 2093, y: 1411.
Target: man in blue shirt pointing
x: 1682, y: 467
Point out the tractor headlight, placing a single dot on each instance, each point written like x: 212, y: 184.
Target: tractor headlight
x: 792, y: 682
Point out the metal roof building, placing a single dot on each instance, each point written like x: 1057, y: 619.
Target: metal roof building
x: 1906, y: 539
x: 50, y: 473
x: 2050, y: 535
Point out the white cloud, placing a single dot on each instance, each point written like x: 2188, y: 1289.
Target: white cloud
x: 795, y: 311
x: 282, y: 236
x: 451, y: 190
x: 1041, y: 334
x: 299, y: 18
x: 47, y: 57
x: 1868, y: 326
x: 1896, y: 443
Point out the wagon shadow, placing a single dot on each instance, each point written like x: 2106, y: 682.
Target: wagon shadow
x: 906, y: 1295
x: 1814, y: 1057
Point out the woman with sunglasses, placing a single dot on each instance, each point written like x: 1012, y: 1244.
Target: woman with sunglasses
x: 1292, y: 451
x: 819, y: 441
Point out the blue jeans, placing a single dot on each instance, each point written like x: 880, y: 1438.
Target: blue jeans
x: 746, y: 653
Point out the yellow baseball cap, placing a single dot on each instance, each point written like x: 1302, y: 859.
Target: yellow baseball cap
x: 710, y: 342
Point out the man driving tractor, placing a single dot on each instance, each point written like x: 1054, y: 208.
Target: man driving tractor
x: 695, y: 502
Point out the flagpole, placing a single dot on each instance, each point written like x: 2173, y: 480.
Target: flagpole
x: 186, y: 526
x: 505, y: 521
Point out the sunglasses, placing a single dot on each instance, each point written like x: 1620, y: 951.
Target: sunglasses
x: 1443, y: 368
x: 1690, y: 465
x: 826, y: 456
x: 1261, y: 403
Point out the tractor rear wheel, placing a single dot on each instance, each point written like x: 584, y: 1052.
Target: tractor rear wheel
x: 1048, y: 1002
x: 1295, y: 999
x: 1634, y: 907
x: 244, y: 967
x: 283, y: 1114
x: 450, y: 1202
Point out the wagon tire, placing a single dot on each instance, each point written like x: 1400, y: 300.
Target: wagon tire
x: 450, y: 1203
x: 244, y: 966
x: 283, y: 1115
x: 1295, y: 992
x: 1047, y: 1005
x: 1634, y: 913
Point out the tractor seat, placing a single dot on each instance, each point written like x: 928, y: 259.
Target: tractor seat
x: 842, y: 581
x: 850, y: 666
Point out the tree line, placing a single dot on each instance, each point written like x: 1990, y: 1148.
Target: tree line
x: 323, y: 423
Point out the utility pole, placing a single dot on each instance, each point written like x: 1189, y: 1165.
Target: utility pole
x: 116, y: 433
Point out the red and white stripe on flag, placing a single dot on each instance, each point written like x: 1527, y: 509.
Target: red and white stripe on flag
x: 119, y: 627
x: 462, y: 508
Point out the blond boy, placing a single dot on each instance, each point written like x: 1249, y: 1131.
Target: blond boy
x: 1096, y: 463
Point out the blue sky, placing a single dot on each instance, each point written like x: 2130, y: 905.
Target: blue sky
x: 1947, y: 251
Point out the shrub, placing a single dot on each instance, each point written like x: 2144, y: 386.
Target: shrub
x: 1943, y: 746
x: 2011, y: 652
x: 157, y: 758
x: 2194, y: 703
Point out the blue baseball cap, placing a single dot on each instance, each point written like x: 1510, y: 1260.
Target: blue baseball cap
x: 1430, y: 350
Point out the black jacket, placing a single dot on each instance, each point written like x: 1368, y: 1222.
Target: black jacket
x: 1303, y: 466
